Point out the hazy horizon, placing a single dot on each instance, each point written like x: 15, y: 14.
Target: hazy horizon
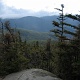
x: 38, y: 8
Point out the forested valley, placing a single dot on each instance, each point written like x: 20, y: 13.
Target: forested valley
x: 60, y: 56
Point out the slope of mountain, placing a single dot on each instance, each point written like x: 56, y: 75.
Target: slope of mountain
x: 41, y: 24
x: 34, y: 35
x: 31, y: 23
x: 37, y: 25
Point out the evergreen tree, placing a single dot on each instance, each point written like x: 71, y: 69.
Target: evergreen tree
x: 59, y: 31
x: 68, y: 53
x: 2, y: 31
x: 12, y: 59
x: 11, y: 31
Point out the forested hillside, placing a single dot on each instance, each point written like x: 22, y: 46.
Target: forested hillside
x: 40, y: 24
x: 35, y: 35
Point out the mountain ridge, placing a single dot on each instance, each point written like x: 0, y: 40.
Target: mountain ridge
x: 41, y: 24
x: 31, y: 23
x: 37, y: 25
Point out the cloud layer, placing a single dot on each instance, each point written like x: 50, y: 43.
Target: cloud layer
x: 21, y: 8
x: 12, y: 12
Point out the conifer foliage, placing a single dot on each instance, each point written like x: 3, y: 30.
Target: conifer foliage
x: 67, y: 58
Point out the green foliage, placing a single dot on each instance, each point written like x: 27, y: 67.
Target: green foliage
x: 34, y: 35
x: 67, y: 53
x: 12, y: 59
x: 60, y: 30
x: 19, y: 55
x: 71, y: 16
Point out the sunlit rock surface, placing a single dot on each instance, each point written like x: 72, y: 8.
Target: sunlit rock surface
x: 32, y: 74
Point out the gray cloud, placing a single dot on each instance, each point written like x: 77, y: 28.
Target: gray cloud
x: 1, y: 7
x: 11, y: 12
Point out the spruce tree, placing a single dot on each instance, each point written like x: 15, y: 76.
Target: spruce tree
x: 75, y: 44
x: 68, y: 54
x: 59, y: 31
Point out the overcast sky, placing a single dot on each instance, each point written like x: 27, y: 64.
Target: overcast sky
x: 20, y: 8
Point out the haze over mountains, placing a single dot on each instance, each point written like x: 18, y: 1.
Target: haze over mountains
x: 41, y: 24
x: 32, y: 23
x: 35, y: 26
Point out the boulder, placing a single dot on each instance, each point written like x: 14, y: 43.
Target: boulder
x: 1, y: 79
x: 32, y: 74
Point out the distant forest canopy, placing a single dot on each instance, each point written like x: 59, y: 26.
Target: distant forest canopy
x: 41, y: 24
